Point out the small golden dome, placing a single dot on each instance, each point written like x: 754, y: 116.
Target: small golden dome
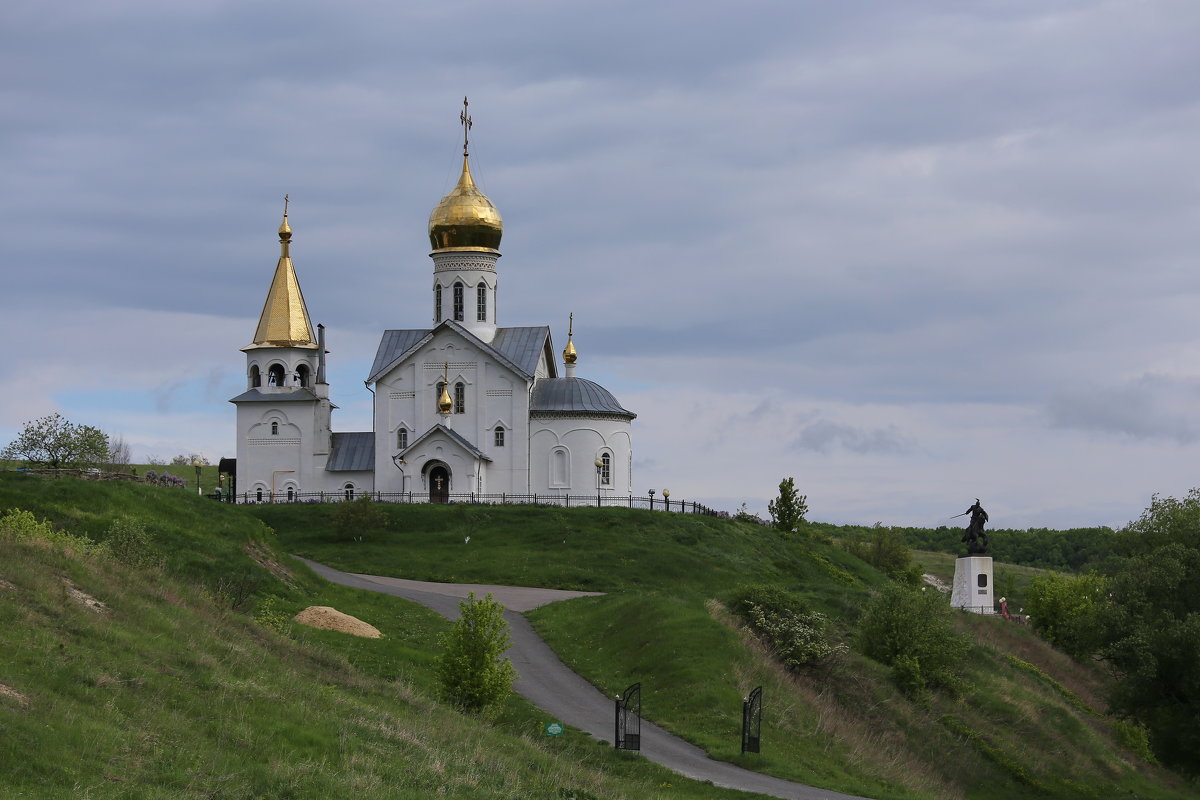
x: 569, y: 354
x: 445, y: 404
x: 285, y: 230
x: 465, y: 219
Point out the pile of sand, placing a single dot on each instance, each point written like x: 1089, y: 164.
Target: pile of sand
x: 330, y: 619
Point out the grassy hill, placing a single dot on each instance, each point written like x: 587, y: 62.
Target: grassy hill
x: 192, y: 682
x: 168, y: 691
x: 1029, y: 722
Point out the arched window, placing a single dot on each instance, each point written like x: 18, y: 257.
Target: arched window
x: 606, y: 469
x: 303, y: 371
x: 458, y: 301
x: 258, y: 496
x: 437, y: 303
x: 481, y: 302
x: 437, y: 394
x: 291, y: 494
x: 402, y: 438
x: 499, y: 440
x: 275, y: 375
x: 460, y: 398
x: 348, y: 490
x: 255, y: 376
x: 274, y: 428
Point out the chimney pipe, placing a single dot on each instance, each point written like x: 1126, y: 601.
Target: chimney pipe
x: 320, y: 353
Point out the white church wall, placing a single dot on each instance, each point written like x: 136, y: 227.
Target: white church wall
x: 564, y: 450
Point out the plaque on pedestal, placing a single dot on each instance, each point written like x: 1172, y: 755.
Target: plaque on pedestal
x: 973, y: 585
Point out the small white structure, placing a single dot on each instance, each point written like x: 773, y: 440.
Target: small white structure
x: 462, y: 408
x: 973, y: 590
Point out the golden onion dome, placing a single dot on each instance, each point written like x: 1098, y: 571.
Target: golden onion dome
x: 570, y: 355
x: 465, y: 219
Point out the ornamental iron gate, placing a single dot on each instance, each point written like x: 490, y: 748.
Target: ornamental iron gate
x: 629, y: 719
x: 752, y: 721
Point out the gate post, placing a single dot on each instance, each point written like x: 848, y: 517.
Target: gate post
x: 752, y: 721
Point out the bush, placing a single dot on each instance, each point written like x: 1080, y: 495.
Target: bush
x: 1064, y: 611
x: 352, y: 518
x: 1135, y: 738
x: 886, y: 550
x: 473, y: 674
x: 798, y: 639
x: 911, y: 631
x: 773, y: 599
x: 130, y: 543
x: 22, y: 525
x: 269, y: 614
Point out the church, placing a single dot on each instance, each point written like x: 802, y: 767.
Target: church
x: 463, y: 410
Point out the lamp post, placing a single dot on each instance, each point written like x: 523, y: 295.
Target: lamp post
x: 400, y: 465
x: 667, y: 499
x: 599, y: 467
x: 651, y: 493
x: 198, y: 464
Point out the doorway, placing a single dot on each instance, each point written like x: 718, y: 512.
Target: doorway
x: 439, y: 485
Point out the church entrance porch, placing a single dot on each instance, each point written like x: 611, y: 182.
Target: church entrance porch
x: 439, y: 485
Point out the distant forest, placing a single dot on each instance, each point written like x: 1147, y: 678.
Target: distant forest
x: 1074, y: 550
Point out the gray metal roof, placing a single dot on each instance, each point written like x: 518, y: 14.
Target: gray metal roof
x: 392, y: 346
x: 454, y: 436
x: 519, y: 348
x: 522, y: 346
x: 351, y: 452
x: 257, y: 396
x: 574, y: 396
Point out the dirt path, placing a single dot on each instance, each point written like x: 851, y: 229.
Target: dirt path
x: 551, y: 686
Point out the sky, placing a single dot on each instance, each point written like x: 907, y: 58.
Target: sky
x: 909, y: 253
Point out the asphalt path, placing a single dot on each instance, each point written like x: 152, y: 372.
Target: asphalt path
x: 551, y: 686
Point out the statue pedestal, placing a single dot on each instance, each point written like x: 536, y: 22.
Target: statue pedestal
x: 973, y: 589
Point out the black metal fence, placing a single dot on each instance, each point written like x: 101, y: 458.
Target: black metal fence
x: 649, y: 502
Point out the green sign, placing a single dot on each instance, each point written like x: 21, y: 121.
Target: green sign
x: 554, y: 729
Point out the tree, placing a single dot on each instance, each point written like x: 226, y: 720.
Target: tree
x: 788, y: 510
x: 120, y: 455
x: 472, y: 671
x: 189, y: 460
x: 1150, y: 626
x: 55, y: 443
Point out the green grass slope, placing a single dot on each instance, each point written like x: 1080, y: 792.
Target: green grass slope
x: 1028, y: 722
x: 166, y: 691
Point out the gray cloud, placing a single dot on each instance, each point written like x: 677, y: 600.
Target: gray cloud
x: 1150, y: 407
x: 823, y: 435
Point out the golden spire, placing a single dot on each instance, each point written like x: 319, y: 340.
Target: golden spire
x: 445, y: 404
x: 465, y: 219
x: 284, y: 321
x: 569, y: 354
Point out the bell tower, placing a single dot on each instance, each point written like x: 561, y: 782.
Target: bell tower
x: 283, y: 417
x: 465, y: 230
